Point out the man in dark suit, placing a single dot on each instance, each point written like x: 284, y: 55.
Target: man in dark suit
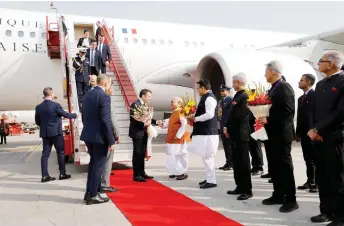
x: 98, y: 136
x: 48, y: 118
x: 4, y: 131
x: 238, y: 129
x: 84, y: 41
x: 304, y: 124
x: 104, y: 50
x: 327, y: 133
x: 94, y: 57
x: 279, y: 126
x: 223, y: 112
x: 138, y: 133
x: 82, y: 76
x: 98, y: 31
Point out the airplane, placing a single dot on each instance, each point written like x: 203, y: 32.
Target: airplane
x: 166, y: 58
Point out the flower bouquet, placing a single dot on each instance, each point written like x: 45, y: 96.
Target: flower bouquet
x: 259, y: 104
x: 144, y: 114
x: 188, y: 110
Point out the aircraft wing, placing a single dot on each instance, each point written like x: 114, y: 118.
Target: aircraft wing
x: 334, y: 36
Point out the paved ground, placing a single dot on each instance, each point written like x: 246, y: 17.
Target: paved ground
x: 26, y: 201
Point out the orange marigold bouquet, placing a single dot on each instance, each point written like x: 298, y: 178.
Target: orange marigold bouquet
x: 259, y: 104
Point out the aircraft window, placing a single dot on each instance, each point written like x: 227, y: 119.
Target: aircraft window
x: 162, y: 42
x: 126, y: 40
x: 186, y: 43
x: 144, y: 41
x: 194, y: 44
x: 8, y: 33
x: 202, y: 44
x: 231, y: 46
x: 153, y: 41
x: 32, y: 34
x: 43, y: 35
x: 20, y: 33
x: 135, y: 40
x: 170, y: 42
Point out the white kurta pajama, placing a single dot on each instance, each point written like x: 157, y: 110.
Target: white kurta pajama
x: 206, y: 145
x: 177, y: 153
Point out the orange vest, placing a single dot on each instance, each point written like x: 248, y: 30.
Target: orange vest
x: 173, y: 126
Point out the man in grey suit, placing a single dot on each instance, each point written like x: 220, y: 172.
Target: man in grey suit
x: 105, y: 183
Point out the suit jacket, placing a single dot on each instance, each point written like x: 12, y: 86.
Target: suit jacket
x: 81, y: 40
x: 98, y: 31
x: 225, y: 105
x: 97, y: 59
x: 329, y: 107
x: 280, y: 126
x: 96, y: 117
x: 305, y: 108
x: 48, y: 118
x: 81, y: 69
x: 238, y: 119
x: 4, y: 128
x: 136, y: 128
x: 105, y: 53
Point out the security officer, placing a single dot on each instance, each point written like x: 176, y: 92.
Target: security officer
x: 223, y: 112
x: 81, y: 66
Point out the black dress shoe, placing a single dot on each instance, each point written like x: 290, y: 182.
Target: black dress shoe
x: 202, y: 182
x: 208, y: 185
x: 85, y: 196
x: 336, y: 223
x: 321, y: 218
x: 172, y: 176
x: 288, y: 207
x: 265, y: 175
x: 304, y: 186
x: 64, y: 176
x: 227, y: 168
x: 103, y: 198
x: 47, y: 178
x: 313, y: 188
x: 139, y: 179
x: 224, y: 166
x: 147, y: 177
x: 270, y: 181
x: 234, y: 192
x: 182, y: 177
x: 108, y: 189
x: 245, y: 196
x: 96, y: 200
x: 273, y: 200
x: 257, y: 172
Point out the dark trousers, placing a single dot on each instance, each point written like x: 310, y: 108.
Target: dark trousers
x: 103, y: 68
x: 48, y: 143
x: 227, y: 147
x: 139, y: 153
x: 98, y: 153
x: 268, y: 153
x: 81, y: 88
x: 3, y: 138
x: 309, y: 157
x: 256, y: 154
x: 242, y: 166
x: 330, y: 177
x: 94, y: 70
x: 282, y: 170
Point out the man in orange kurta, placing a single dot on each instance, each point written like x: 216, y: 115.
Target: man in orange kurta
x: 176, y: 140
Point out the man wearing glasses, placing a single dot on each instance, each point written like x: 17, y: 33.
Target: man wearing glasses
x: 328, y: 136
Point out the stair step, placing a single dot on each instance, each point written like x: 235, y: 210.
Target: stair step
x: 123, y: 124
x: 121, y: 110
x: 118, y: 104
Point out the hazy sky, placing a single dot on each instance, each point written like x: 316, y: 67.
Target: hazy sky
x: 296, y: 17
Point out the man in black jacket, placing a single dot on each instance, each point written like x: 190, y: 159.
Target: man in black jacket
x: 328, y: 135
x: 138, y: 133
x: 304, y: 124
x: 238, y: 129
x: 279, y: 126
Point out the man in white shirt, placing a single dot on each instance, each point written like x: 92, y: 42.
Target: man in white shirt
x: 205, y: 135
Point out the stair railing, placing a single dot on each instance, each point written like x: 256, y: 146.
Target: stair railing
x: 110, y: 41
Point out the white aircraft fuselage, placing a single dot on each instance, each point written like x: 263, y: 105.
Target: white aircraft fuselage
x: 150, y: 50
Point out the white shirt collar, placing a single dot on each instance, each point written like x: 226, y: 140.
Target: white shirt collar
x: 141, y: 101
x: 335, y: 73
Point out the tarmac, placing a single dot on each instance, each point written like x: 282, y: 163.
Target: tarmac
x: 25, y: 201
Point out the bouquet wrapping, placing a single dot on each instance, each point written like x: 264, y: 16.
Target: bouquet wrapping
x: 259, y: 104
x: 188, y: 110
x: 144, y: 114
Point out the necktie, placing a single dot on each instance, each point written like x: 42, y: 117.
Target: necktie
x: 92, y: 57
x: 303, y: 98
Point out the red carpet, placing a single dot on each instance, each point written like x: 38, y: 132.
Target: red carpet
x: 154, y: 204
